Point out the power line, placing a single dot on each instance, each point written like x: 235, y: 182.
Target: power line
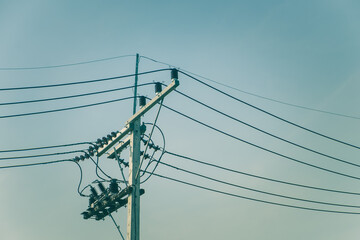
x: 256, y: 95
x: 40, y: 155
x: 64, y: 65
x: 267, y: 133
x: 253, y: 199
x: 45, y: 147
x: 262, y: 148
x: 270, y: 114
x: 73, y: 96
x: 260, y: 177
x: 82, y: 82
x: 257, y: 190
x: 36, y: 164
x: 66, y: 109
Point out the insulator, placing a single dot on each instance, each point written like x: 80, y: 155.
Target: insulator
x: 113, y: 134
x: 87, y: 156
x: 114, y: 188
x: 76, y: 159
x: 86, y: 215
x: 142, y: 128
x: 93, y: 191
x: 104, y: 140
x: 96, y: 147
x: 92, y: 199
x: 109, y: 137
x: 142, y: 101
x: 158, y: 87
x: 99, y: 142
x: 91, y: 149
x: 82, y: 158
x: 102, y: 188
x: 174, y: 73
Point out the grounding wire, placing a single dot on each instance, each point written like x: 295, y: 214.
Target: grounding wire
x: 66, y: 109
x: 260, y: 147
x: 271, y: 114
x: 253, y: 199
x: 267, y: 133
x: 260, y: 177
x: 257, y: 190
x: 72, y: 96
x: 64, y: 65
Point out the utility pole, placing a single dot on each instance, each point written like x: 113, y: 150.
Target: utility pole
x: 133, y: 218
x: 130, y: 135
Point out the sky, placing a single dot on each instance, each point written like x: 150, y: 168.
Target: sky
x: 266, y: 53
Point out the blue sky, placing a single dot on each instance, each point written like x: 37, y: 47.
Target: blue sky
x: 300, y: 52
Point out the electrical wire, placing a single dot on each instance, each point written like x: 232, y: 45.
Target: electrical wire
x: 271, y: 114
x: 82, y: 82
x: 80, y: 181
x: 260, y: 177
x: 36, y: 164
x: 152, y: 156
x: 253, y: 199
x: 40, y: 155
x: 121, y: 169
x: 262, y: 148
x: 162, y: 154
x: 267, y: 133
x: 147, y: 144
x: 116, y: 225
x: 47, y: 163
x: 64, y: 65
x: 45, y: 147
x: 99, y: 168
x: 256, y: 95
x: 257, y: 190
x: 66, y: 109
x: 72, y: 96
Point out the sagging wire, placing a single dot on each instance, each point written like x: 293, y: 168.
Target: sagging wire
x: 99, y: 168
x: 80, y: 181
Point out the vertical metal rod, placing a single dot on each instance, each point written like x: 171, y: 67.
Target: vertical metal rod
x: 133, y: 218
x: 136, y: 81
